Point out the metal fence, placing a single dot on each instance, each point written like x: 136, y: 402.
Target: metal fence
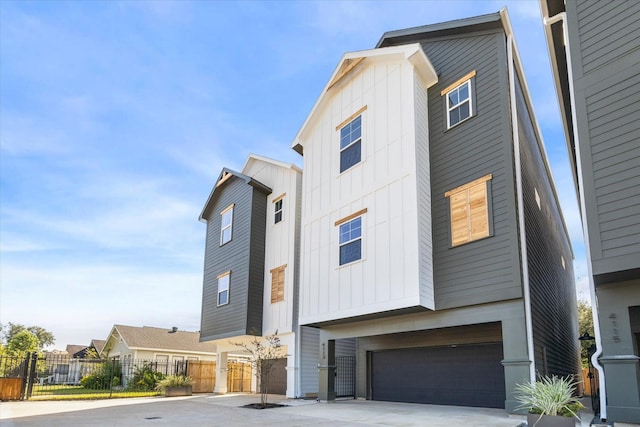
x: 58, y: 376
x: 345, y: 376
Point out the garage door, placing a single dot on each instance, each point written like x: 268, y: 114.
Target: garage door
x: 469, y: 375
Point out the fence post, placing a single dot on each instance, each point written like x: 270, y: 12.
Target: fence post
x: 25, y: 376
x: 32, y: 373
x: 113, y: 370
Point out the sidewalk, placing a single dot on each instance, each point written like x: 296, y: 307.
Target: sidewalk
x: 206, y: 410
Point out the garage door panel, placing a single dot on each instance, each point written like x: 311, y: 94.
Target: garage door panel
x: 464, y: 375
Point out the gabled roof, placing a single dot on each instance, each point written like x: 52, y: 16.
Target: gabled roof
x: 98, y: 345
x: 150, y: 338
x: 255, y: 157
x: 225, y: 176
x: 354, y: 60
x: 73, y: 350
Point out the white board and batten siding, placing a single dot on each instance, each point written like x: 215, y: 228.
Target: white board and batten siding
x: 283, y: 179
x: 384, y: 183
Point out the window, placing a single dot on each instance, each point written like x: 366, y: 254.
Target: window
x: 350, y: 141
x: 469, y: 211
x: 459, y: 100
x: 277, y: 204
x: 277, y: 284
x: 351, y: 237
x: 226, y: 225
x: 223, y: 288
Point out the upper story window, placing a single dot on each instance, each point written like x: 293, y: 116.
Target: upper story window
x: 469, y: 207
x: 226, y: 225
x: 459, y: 100
x: 351, y: 140
x: 223, y: 288
x: 278, y: 203
x: 351, y: 237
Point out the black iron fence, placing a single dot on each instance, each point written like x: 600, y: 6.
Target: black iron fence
x: 58, y: 376
x: 345, y: 384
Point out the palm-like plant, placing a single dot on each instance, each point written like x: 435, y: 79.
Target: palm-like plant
x: 549, y: 396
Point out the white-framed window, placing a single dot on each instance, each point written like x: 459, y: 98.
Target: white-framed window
x: 278, y: 204
x: 351, y: 143
x: 459, y: 100
x: 350, y: 238
x: 223, y: 288
x: 226, y: 225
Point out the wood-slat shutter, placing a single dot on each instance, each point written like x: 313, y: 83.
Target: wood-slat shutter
x: 277, y: 284
x: 469, y: 211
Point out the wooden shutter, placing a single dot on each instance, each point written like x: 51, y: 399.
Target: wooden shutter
x: 277, y: 284
x: 469, y: 211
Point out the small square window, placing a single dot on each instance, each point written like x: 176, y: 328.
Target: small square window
x: 351, y: 241
x: 223, y: 289
x: 226, y: 225
x: 278, y: 211
x: 350, y: 144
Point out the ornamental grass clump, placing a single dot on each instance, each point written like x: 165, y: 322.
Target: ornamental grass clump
x: 549, y: 396
x: 174, y: 381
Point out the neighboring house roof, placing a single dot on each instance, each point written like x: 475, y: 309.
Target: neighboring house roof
x: 224, y: 176
x: 98, y: 345
x: 159, y: 339
x: 73, y: 350
x: 352, y: 60
x: 253, y: 157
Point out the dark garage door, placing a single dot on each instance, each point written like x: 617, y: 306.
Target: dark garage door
x: 466, y: 375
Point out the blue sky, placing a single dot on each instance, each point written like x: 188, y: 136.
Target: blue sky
x: 116, y: 117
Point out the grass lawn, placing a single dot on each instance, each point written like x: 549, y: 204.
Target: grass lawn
x: 75, y: 392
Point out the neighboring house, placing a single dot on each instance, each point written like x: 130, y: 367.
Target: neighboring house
x: 595, y: 56
x: 81, y: 351
x: 167, y: 347
x: 250, y: 278
x: 432, y: 247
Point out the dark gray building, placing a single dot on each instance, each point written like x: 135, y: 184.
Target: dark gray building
x: 595, y: 56
x: 461, y: 282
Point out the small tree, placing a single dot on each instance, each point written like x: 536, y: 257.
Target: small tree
x: 585, y: 322
x: 263, y: 353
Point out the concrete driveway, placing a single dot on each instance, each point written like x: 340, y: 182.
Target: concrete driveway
x: 212, y: 410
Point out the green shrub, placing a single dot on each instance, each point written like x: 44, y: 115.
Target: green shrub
x: 145, y: 378
x: 103, y: 377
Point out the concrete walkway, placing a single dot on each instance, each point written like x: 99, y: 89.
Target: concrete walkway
x: 207, y: 410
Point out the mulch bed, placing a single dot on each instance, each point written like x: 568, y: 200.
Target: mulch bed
x: 267, y: 406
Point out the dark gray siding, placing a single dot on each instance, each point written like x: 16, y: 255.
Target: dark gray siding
x: 607, y: 32
x: 553, y: 300
x: 605, y: 56
x: 256, y: 262
x: 243, y: 256
x: 485, y: 270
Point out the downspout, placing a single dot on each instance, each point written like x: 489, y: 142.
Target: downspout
x: 523, y: 236
x: 583, y: 211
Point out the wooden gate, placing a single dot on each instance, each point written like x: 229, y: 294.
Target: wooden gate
x: 238, y: 377
x: 203, y: 374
